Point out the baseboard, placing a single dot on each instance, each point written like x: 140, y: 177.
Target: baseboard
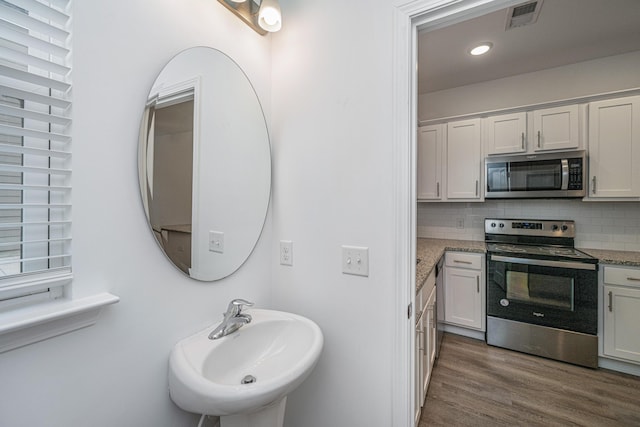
x: 470, y: 333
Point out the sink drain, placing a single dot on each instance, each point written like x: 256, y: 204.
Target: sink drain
x: 249, y: 379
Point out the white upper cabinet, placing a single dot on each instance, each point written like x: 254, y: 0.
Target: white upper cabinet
x: 547, y: 129
x: 506, y: 133
x: 556, y: 128
x: 430, y: 140
x: 614, y: 148
x: 464, y: 160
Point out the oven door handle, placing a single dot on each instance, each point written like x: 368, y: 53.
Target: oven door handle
x: 545, y: 262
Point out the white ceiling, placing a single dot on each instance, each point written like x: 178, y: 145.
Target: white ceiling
x: 566, y: 32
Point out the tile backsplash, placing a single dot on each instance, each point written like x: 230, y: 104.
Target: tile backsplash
x: 599, y: 225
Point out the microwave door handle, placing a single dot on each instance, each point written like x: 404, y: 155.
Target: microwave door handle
x: 565, y: 174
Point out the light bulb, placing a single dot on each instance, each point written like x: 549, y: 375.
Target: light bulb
x: 269, y: 16
x: 481, y: 49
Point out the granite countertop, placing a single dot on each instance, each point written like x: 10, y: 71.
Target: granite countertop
x: 429, y: 251
x: 605, y: 256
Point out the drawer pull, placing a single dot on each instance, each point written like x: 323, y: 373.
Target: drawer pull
x: 633, y: 279
x: 610, y: 301
x: 437, y: 189
x: 538, y: 139
x: 522, y: 145
x: 462, y: 262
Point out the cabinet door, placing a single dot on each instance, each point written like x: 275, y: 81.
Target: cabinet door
x: 463, y: 298
x: 556, y: 128
x: 418, y: 373
x: 614, y: 148
x: 464, y: 160
x: 430, y: 162
x: 621, y: 320
x: 430, y: 341
x: 426, y: 367
x: 505, y: 134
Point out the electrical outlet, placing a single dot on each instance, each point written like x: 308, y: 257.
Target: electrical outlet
x: 286, y: 252
x: 355, y: 260
x: 216, y: 241
x: 460, y: 223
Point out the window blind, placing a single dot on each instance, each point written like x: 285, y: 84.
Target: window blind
x: 35, y: 149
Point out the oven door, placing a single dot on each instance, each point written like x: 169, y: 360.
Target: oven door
x: 558, y: 294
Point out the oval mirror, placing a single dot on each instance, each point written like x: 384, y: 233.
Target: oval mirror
x: 204, y: 163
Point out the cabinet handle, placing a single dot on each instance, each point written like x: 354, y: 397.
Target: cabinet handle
x: 437, y: 189
x: 478, y: 283
x: 538, y: 139
x: 610, y: 301
x: 593, y: 184
x: 522, y: 144
x: 633, y: 279
x: 462, y: 262
x: 477, y: 182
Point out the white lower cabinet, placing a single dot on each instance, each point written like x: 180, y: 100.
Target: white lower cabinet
x: 621, y: 313
x: 464, y: 290
x: 419, y: 350
x: 429, y: 354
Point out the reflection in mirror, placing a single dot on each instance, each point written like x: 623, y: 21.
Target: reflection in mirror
x: 170, y: 166
x: 204, y: 164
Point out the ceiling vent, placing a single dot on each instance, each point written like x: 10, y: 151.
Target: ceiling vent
x: 524, y: 14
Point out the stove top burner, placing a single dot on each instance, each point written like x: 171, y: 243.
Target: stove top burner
x: 508, y: 248
x: 538, y: 250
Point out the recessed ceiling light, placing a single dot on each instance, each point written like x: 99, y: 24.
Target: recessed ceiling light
x: 481, y: 49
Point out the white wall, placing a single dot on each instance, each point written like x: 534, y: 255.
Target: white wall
x: 332, y: 132
x: 599, y: 225
x: 115, y: 373
x: 602, y: 75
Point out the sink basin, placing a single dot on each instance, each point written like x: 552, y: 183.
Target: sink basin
x: 273, y: 354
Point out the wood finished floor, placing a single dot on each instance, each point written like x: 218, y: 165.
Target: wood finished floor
x: 474, y: 384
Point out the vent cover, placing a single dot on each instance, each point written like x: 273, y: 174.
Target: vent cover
x: 524, y: 14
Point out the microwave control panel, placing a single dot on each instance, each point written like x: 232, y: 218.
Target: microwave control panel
x: 575, y: 174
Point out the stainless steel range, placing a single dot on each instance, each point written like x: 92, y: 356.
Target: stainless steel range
x: 542, y: 293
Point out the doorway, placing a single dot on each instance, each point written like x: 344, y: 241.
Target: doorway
x: 409, y: 17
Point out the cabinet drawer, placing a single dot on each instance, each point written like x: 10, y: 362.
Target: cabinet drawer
x: 463, y: 260
x: 622, y: 276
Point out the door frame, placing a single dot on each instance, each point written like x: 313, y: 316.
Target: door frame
x: 408, y: 17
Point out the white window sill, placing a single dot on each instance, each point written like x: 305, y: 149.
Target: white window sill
x: 40, y: 322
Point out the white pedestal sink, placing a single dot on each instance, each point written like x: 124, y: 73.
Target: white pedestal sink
x: 245, y: 376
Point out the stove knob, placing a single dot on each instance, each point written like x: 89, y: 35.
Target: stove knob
x: 555, y: 227
x: 493, y: 225
x: 501, y: 225
x: 565, y: 228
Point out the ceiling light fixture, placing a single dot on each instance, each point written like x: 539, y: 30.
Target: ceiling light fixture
x: 262, y: 16
x: 481, y: 49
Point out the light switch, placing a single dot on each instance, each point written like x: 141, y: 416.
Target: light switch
x: 216, y: 241
x: 355, y: 260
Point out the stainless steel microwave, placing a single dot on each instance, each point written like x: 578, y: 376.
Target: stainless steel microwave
x: 545, y: 175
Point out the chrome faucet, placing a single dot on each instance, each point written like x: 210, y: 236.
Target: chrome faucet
x: 233, y: 319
